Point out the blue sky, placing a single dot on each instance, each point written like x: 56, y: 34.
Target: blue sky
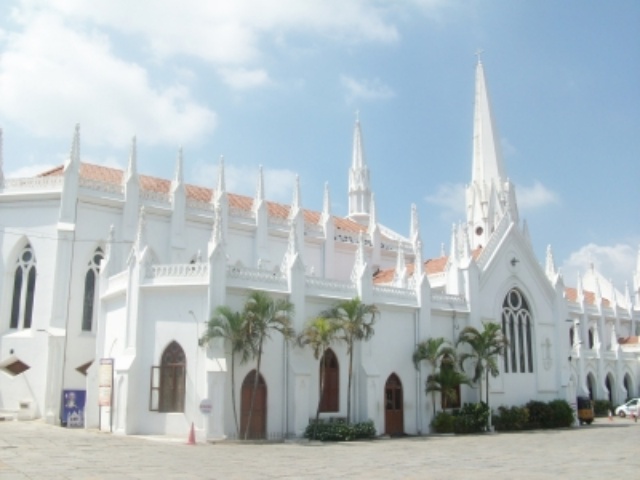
x: 278, y: 83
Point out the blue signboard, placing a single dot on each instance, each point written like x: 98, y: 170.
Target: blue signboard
x: 73, y: 408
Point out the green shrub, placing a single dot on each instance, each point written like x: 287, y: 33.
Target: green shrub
x: 601, y: 408
x: 560, y: 414
x: 511, y: 418
x: 471, y: 418
x: 339, y: 430
x: 442, y: 423
x: 539, y: 414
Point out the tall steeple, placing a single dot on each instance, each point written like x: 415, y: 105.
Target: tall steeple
x: 490, y: 195
x: 487, y: 156
x: 359, y: 183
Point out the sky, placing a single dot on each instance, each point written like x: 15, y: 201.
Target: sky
x: 280, y: 83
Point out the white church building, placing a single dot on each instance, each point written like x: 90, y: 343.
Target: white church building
x: 108, y: 277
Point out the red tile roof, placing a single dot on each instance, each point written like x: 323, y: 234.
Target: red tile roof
x: 202, y: 194
x: 571, y: 294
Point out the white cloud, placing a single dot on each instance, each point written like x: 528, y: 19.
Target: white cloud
x: 615, y: 262
x: 30, y: 170
x: 228, y: 33
x: 535, y: 196
x: 451, y: 198
x: 52, y: 78
x: 242, y: 78
x: 365, y: 89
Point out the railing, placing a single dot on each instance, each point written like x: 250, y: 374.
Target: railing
x: 445, y: 298
x: 114, y: 188
x: 159, y: 197
x: 391, y: 291
x: 199, y: 205
x: 347, y: 288
x: 33, y: 183
x: 253, y: 274
x: 189, y: 270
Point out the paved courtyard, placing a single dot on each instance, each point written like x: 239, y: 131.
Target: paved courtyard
x: 607, y: 449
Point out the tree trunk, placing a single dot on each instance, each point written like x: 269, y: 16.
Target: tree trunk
x: 253, y: 393
x: 233, y: 392
x: 349, y: 385
x: 315, y: 427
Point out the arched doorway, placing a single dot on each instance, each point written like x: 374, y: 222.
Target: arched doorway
x: 330, y: 401
x: 610, y: 383
x: 393, y: 406
x: 628, y: 387
x: 591, y: 382
x: 258, y: 427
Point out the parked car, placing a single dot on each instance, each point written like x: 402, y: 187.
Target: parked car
x: 629, y: 408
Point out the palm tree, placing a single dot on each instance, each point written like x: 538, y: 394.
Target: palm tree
x: 230, y: 326
x: 486, y: 346
x: 432, y: 350
x: 355, y: 321
x: 319, y: 334
x: 446, y: 381
x: 265, y: 315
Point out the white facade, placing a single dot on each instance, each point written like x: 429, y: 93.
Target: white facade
x: 172, y: 253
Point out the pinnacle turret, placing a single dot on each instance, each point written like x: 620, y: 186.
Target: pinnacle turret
x: 359, y: 183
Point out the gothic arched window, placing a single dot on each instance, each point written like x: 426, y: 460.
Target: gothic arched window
x: 90, y: 292
x: 24, y: 287
x: 516, y: 326
x: 168, y: 380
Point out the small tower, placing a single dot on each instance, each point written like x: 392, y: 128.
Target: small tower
x: 359, y: 183
x: 490, y: 195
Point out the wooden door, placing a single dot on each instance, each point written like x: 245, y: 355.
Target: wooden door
x: 393, y: 406
x: 258, y: 427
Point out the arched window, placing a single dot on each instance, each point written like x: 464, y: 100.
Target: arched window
x: 168, y: 380
x: 516, y: 326
x: 90, y: 292
x: 23, y: 294
x: 330, y: 401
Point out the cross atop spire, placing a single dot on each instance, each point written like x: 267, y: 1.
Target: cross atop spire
x: 478, y: 54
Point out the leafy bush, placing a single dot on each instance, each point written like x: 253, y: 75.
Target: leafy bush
x: 539, y: 414
x: 601, y: 408
x: 339, y: 430
x: 471, y: 418
x: 511, y: 418
x: 443, y: 423
x: 561, y: 414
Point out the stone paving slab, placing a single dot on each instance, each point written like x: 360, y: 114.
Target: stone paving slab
x: 606, y: 449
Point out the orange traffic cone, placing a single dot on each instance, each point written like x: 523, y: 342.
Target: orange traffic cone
x: 192, y: 436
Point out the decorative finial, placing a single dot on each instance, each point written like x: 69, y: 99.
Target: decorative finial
x: 357, y: 116
x: 478, y: 54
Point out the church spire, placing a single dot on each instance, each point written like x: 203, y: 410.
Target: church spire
x: 359, y: 183
x: 132, y: 168
x: 490, y: 195
x: 487, y: 156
